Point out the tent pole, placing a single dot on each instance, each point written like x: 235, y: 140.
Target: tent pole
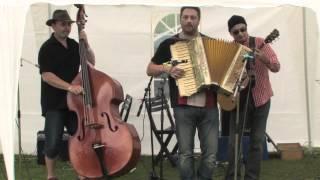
x: 306, y: 77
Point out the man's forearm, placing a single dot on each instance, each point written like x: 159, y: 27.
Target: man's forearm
x: 155, y: 70
x: 55, y: 81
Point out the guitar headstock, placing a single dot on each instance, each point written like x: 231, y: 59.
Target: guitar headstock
x: 272, y: 36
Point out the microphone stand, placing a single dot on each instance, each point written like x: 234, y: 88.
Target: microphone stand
x: 162, y: 95
x: 153, y: 175
x: 147, y: 92
x: 236, y: 95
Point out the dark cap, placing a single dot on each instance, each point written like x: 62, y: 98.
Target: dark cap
x: 59, y: 15
x: 234, y: 20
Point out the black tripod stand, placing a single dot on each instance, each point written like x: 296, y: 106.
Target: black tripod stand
x: 156, y: 104
x: 147, y: 97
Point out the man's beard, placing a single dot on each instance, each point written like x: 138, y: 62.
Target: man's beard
x: 63, y: 35
x: 189, y: 30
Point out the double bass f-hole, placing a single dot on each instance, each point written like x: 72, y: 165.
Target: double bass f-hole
x: 104, y: 114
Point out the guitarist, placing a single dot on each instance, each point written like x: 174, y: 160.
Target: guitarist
x: 258, y: 106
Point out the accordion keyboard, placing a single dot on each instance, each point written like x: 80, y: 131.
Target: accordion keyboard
x: 187, y: 83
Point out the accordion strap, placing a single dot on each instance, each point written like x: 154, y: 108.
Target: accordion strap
x: 252, y: 45
x: 251, y: 64
x: 252, y: 42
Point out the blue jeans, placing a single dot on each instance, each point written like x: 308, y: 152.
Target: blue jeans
x: 257, y: 120
x: 206, y: 120
x: 55, y: 122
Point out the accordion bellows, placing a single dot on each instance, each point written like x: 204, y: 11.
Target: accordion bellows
x: 210, y: 62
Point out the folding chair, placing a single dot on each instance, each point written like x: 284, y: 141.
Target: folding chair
x: 125, y: 108
x: 168, y: 133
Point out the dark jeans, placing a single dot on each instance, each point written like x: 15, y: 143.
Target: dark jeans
x: 257, y: 119
x: 206, y: 120
x: 55, y: 121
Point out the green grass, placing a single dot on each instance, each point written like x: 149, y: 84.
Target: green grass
x: 274, y: 169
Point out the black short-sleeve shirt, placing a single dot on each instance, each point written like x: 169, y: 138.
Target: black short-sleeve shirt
x: 64, y: 63
x: 162, y: 55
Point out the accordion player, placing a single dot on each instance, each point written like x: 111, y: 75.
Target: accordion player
x: 209, y: 62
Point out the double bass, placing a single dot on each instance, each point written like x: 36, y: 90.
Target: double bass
x: 103, y: 145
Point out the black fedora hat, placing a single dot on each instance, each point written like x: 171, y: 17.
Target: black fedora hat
x: 59, y: 15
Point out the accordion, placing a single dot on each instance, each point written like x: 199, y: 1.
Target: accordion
x: 209, y: 62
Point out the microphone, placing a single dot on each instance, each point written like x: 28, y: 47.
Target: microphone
x: 248, y: 57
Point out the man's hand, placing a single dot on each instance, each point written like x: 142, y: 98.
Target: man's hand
x: 176, y: 72
x: 75, y: 89
x: 260, y: 55
x: 83, y: 36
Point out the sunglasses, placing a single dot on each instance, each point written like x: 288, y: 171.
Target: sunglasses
x: 236, y: 32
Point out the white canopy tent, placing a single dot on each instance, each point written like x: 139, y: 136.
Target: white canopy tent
x: 122, y: 33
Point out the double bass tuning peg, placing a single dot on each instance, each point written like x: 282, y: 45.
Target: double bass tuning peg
x: 82, y: 22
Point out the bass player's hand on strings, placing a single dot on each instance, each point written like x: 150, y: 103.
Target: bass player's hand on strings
x: 75, y: 89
